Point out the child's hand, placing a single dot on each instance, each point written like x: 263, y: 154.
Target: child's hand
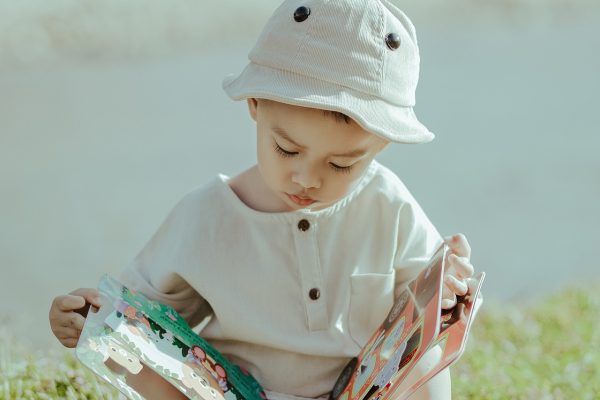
x: 458, y: 271
x: 67, y: 314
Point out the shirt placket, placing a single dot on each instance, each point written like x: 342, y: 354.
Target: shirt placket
x: 313, y: 295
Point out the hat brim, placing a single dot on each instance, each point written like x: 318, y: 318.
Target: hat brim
x: 392, y: 122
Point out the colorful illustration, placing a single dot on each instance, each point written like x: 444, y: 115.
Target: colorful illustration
x: 130, y: 335
x: 413, y: 326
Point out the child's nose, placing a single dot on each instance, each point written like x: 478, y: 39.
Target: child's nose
x: 306, y: 177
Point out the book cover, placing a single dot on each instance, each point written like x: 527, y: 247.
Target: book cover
x: 147, y: 350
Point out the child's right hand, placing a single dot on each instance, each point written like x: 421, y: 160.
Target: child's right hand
x: 67, y: 314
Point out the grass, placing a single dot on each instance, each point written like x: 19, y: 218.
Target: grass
x: 549, y: 350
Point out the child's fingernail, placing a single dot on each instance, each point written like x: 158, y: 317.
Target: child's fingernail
x: 447, y: 303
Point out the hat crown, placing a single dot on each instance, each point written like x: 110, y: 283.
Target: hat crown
x: 344, y: 42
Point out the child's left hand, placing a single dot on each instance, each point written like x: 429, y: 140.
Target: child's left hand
x: 458, y: 270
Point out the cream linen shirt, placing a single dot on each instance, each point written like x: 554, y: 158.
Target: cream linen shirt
x: 253, y: 273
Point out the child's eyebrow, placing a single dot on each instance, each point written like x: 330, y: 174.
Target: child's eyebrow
x: 351, y: 154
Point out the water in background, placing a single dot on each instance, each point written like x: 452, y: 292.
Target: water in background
x: 108, y: 117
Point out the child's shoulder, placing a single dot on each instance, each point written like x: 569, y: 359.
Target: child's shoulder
x: 204, y: 196
x: 388, y: 185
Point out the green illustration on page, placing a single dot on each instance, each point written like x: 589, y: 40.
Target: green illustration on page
x: 147, y: 350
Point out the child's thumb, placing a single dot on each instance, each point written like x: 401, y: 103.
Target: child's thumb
x: 90, y: 295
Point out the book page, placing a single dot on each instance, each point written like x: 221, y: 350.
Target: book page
x: 399, y: 342
x: 453, y: 335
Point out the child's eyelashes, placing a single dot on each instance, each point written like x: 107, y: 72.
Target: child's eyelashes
x: 283, y: 152
x: 339, y: 168
x: 287, y: 154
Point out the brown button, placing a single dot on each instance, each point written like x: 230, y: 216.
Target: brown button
x: 314, y: 293
x: 303, y: 225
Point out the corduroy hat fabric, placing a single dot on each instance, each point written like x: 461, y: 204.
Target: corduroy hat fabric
x: 358, y: 57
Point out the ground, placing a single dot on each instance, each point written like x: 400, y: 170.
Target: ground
x: 546, y: 350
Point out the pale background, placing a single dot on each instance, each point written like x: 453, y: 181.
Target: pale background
x: 110, y: 111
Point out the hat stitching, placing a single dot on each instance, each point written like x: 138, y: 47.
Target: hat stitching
x: 313, y: 78
x: 382, y: 53
x: 312, y: 25
x: 309, y: 24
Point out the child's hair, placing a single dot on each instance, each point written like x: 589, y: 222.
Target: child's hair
x: 338, y: 116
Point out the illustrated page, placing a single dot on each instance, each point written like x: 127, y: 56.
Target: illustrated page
x: 406, y: 333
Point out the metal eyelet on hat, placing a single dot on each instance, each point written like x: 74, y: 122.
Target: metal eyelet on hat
x: 301, y: 13
x: 392, y: 40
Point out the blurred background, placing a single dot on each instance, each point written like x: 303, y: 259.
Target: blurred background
x: 111, y: 111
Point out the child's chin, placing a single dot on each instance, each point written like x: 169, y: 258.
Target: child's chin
x: 319, y: 205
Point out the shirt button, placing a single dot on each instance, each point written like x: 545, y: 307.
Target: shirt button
x: 314, y: 293
x: 303, y: 225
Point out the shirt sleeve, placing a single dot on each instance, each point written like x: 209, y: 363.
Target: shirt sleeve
x: 161, y: 268
x: 418, y: 241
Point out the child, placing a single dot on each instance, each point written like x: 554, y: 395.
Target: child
x: 297, y: 258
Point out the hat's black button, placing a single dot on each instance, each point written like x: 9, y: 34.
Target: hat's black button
x: 314, y: 293
x: 392, y: 40
x: 301, y: 13
x: 303, y: 225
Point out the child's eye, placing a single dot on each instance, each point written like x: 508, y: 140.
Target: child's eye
x: 284, y: 153
x: 339, y: 168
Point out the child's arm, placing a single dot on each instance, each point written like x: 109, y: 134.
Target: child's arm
x: 163, y: 268
x: 156, y: 283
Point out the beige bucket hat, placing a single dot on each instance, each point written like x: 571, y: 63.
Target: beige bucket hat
x: 358, y: 57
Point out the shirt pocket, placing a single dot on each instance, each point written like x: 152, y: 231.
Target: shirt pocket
x: 371, y: 298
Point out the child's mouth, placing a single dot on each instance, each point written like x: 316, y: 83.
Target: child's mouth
x: 301, y: 201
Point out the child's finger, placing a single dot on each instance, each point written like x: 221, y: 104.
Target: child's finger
x: 90, y: 295
x: 462, y: 266
x: 72, y: 320
x: 69, y: 342
x: 69, y: 302
x: 448, y: 298
x: 68, y: 333
x: 459, y: 245
x: 447, y: 304
x: 457, y: 286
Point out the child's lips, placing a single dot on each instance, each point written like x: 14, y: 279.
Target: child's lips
x: 301, y: 200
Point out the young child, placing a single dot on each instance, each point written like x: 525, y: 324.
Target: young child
x: 297, y: 259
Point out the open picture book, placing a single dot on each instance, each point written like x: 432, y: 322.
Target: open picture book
x: 414, y: 325
x: 131, y: 341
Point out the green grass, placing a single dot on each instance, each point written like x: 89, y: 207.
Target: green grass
x: 550, y: 350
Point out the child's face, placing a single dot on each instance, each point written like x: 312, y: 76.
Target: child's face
x: 309, y: 159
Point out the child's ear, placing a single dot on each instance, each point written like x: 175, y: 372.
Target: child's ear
x: 252, y: 107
